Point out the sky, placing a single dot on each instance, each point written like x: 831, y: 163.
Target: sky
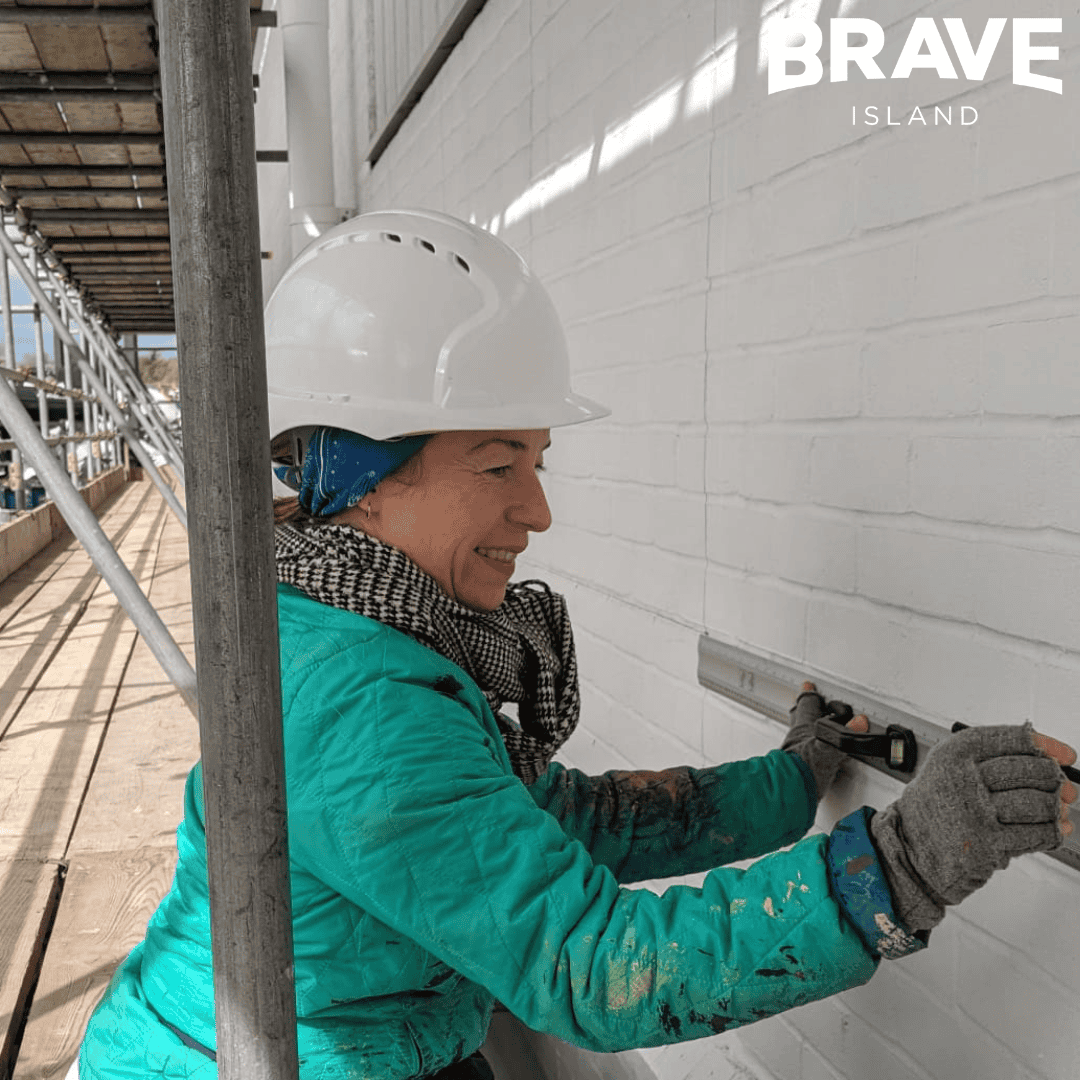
x: 23, y: 326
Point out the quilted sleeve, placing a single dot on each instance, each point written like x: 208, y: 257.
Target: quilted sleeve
x: 402, y: 801
x: 644, y: 825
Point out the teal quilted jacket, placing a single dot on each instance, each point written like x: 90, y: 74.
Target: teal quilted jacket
x: 428, y: 882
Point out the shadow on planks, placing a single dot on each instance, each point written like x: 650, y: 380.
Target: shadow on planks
x: 94, y: 748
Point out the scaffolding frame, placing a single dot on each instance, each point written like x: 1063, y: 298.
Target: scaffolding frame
x: 86, y: 361
x: 209, y: 122
x: 30, y: 442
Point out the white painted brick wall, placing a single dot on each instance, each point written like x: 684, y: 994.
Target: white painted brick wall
x: 843, y: 368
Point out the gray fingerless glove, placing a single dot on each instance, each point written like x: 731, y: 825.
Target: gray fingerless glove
x: 983, y: 796
x: 824, y: 760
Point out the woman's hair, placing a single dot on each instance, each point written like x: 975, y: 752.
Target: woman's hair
x: 287, y: 509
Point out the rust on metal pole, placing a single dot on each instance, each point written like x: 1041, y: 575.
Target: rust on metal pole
x: 214, y: 225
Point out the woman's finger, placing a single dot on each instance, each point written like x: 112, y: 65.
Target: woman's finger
x: 858, y: 723
x: 1059, y: 751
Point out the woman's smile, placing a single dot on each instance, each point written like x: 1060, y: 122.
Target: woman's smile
x: 501, y: 560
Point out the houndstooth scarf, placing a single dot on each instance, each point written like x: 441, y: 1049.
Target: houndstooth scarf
x: 522, y: 651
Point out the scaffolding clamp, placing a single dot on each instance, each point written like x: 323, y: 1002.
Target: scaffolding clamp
x: 896, y: 748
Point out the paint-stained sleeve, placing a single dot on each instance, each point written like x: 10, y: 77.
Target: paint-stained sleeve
x: 644, y: 825
x: 860, y: 885
x: 428, y: 831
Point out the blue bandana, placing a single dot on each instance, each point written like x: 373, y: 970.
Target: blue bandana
x: 341, y: 467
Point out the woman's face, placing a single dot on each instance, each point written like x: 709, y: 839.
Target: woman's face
x: 467, y: 514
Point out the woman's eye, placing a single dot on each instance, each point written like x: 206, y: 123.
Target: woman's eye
x: 504, y: 470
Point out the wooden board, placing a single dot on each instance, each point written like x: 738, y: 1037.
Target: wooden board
x: 17, y: 49
x: 135, y: 797
x: 129, y: 48
x: 34, y: 617
x: 69, y: 48
x: 23, y: 584
x: 49, y: 748
x: 108, y: 899
x: 110, y: 810
x: 24, y: 890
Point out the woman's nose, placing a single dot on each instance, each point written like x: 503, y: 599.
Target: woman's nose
x: 532, y: 510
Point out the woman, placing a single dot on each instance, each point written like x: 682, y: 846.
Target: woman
x: 440, y: 860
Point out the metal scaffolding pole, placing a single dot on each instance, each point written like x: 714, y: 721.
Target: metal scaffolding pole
x: 99, y: 424
x: 208, y: 107
x: 109, y: 449
x: 88, y: 428
x: 119, y: 419
x: 39, y: 365
x: 56, y: 440
x: 15, y: 469
x: 93, y: 458
x: 154, y: 425
x: 85, y: 526
x: 72, y: 446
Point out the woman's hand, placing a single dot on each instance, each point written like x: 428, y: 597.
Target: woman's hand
x: 1063, y: 755
x: 824, y: 760
x: 981, y: 797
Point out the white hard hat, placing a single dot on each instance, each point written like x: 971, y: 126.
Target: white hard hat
x: 401, y: 322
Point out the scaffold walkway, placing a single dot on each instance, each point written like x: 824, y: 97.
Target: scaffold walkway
x: 95, y: 745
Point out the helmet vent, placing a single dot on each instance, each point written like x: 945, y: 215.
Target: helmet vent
x: 392, y: 237
x: 427, y: 245
x: 462, y: 263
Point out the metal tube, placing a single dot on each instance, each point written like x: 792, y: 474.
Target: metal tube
x: 107, y: 458
x: 57, y: 440
x: 118, y: 418
x: 77, y: 215
x: 49, y: 96
x: 90, y: 415
x: 80, y: 138
x: 50, y: 385
x: 87, y: 427
x: 21, y: 193
x: 27, y: 16
x: 72, y: 446
x: 114, y: 359
x: 115, y: 82
x: 45, y: 169
x: 306, y: 60
x: 15, y: 469
x: 210, y: 138
x: 85, y: 526
x: 43, y: 400
x: 64, y: 243
x: 39, y: 360
x: 39, y: 367
x: 130, y: 343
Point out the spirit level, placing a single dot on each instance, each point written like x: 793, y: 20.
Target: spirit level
x: 898, y: 740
